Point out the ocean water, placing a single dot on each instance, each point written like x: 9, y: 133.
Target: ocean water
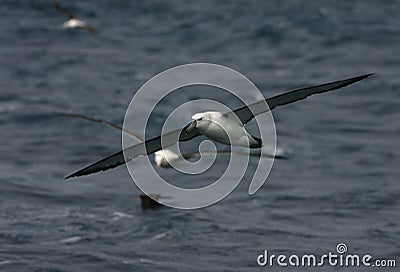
x: 341, y: 183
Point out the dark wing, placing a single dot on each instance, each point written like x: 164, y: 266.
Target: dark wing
x: 91, y: 29
x: 245, y: 113
x: 149, y: 147
x: 63, y: 11
x: 105, y: 123
x: 197, y: 153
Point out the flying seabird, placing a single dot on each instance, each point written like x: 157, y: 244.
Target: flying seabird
x: 72, y: 21
x: 164, y: 157
x: 212, y: 125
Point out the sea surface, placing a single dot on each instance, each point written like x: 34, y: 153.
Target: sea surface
x: 341, y: 183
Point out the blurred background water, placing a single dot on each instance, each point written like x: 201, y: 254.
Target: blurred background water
x: 341, y: 183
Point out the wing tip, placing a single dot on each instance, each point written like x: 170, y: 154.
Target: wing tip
x: 83, y: 172
x: 366, y: 75
x: 95, y: 167
x: 86, y: 171
x: 75, y: 174
x: 359, y: 78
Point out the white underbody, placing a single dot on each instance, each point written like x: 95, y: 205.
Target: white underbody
x: 164, y: 157
x: 217, y: 126
x: 74, y: 23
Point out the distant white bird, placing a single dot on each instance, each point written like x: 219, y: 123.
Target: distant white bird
x: 213, y: 126
x: 164, y: 157
x: 72, y: 22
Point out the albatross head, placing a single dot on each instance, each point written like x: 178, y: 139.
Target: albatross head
x: 202, y: 120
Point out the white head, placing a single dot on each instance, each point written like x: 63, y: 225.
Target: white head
x: 207, y: 115
x: 202, y: 120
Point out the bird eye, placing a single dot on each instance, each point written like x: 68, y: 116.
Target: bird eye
x: 201, y: 118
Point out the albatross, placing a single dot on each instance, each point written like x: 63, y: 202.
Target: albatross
x: 73, y: 21
x: 226, y: 128
x: 163, y: 158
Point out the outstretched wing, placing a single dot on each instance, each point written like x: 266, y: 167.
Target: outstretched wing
x: 226, y: 152
x: 149, y: 147
x: 62, y: 10
x: 105, y: 123
x: 91, y: 29
x: 246, y: 113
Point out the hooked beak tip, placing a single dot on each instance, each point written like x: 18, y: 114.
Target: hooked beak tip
x: 191, y: 127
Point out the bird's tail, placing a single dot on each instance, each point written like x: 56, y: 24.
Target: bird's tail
x: 257, y: 143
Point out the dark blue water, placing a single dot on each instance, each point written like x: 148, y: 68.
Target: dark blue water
x: 341, y: 183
